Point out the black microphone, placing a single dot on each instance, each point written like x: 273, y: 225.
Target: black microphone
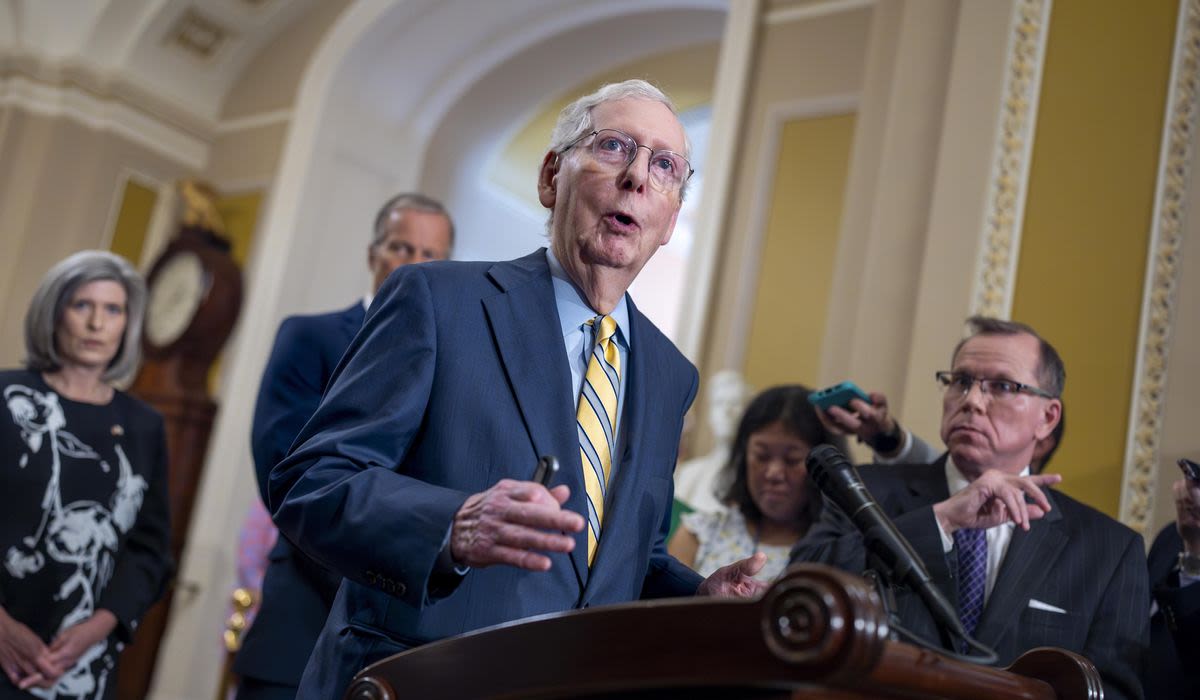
x: 839, y: 480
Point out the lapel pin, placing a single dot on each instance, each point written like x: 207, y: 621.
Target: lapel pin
x: 118, y: 431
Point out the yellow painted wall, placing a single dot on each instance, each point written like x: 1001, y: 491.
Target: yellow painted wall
x: 1088, y: 215
x: 798, y: 251
x: 133, y: 220
x: 240, y: 212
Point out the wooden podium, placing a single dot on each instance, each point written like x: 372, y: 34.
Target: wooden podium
x: 817, y: 633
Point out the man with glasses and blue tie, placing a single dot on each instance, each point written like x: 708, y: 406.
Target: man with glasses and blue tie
x: 1027, y: 566
x: 414, y: 479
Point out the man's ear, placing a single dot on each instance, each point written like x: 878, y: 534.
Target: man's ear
x: 1051, y: 415
x: 548, y: 180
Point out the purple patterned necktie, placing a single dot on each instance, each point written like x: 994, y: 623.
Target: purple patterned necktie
x: 971, y: 545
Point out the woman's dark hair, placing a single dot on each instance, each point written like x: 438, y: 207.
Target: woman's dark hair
x: 787, y: 404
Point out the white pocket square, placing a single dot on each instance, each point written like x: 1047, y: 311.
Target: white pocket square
x: 1039, y: 605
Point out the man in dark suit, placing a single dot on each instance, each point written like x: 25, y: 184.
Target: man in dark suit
x: 413, y: 478
x: 1027, y: 567
x: 1173, y: 667
x: 297, y: 592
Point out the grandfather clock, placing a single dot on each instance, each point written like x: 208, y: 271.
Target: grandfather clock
x: 194, y: 295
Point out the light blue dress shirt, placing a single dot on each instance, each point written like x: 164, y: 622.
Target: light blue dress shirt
x: 578, y: 338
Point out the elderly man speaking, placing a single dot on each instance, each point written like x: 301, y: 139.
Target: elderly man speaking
x: 413, y: 478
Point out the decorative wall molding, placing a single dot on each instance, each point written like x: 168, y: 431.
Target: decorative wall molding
x: 254, y: 121
x: 125, y: 176
x: 749, y: 273
x: 1163, y: 265
x: 104, y: 114
x: 819, y: 9
x: 1007, y: 186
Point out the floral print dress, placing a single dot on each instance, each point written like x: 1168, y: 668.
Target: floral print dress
x: 724, y: 539
x: 85, y: 521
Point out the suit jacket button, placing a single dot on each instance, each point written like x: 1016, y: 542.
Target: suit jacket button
x: 400, y: 589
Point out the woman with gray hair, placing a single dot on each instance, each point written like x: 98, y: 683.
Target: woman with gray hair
x: 85, y: 538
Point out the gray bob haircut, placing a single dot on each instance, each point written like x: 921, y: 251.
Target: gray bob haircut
x: 575, y: 120
x: 55, y: 292
x: 414, y: 201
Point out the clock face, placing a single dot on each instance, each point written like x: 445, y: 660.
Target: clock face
x: 175, y: 295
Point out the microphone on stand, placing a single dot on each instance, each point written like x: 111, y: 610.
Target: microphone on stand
x: 840, y: 481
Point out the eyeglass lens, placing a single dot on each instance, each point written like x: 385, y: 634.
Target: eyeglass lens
x: 667, y: 168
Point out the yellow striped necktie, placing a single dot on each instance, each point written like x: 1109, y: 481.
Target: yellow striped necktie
x: 596, y: 419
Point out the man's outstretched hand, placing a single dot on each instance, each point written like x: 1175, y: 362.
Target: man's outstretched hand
x: 736, y: 580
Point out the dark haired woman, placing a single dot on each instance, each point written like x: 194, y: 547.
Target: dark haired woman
x: 770, y: 502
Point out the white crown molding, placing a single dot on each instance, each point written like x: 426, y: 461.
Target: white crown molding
x: 821, y: 9
x: 1163, y: 270
x: 1009, y: 182
x: 104, y: 114
x: 253, y: 121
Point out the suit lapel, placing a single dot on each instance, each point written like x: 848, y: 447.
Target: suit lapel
x: 623, y: 491
x: 1026, y: 564
x: 530, y: 344
x: 927, y: 485
x: 352, y: 321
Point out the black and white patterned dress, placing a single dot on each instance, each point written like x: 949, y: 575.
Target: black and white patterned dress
x: 85, y: 526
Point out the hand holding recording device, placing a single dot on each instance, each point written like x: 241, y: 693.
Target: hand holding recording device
x: 1191, y: 470
x: 838, y: 395
x: 547, y: 469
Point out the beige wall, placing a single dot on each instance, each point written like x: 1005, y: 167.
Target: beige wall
x: 812, y: 68
x: 271, y: 81
x: 63, y: 182
x: 935, y: 104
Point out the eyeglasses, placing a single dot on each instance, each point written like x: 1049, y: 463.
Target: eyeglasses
x: 958, y: 385
x: 617, y: 149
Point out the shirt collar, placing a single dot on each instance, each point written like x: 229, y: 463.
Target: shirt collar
x: 955, y: 479
x: 574, y: 310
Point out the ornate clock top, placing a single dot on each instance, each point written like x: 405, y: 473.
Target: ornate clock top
x: 200, y: 206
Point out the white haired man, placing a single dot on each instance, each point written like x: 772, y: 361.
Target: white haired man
x: 413, y: 478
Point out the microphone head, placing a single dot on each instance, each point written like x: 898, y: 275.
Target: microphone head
x: 823, y: 461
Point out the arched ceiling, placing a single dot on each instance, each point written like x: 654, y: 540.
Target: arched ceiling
x: 177, y: 58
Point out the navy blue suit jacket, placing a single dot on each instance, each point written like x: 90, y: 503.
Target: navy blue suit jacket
x: 1173, y: 669
x: 457, y: 380
x: 297, y: 592
x: 1075, y: 558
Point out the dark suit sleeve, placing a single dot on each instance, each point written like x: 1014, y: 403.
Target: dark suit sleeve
x: 144, y: 564
x: 667, y: 576
x: 1180, y: 606
x: 340, y: 494
x: 1120, y: 627
x: 288, y: 395
x: 836, y: 541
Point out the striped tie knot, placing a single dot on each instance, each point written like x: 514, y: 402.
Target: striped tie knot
x: 596, y: 420
x: 608, y: 328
